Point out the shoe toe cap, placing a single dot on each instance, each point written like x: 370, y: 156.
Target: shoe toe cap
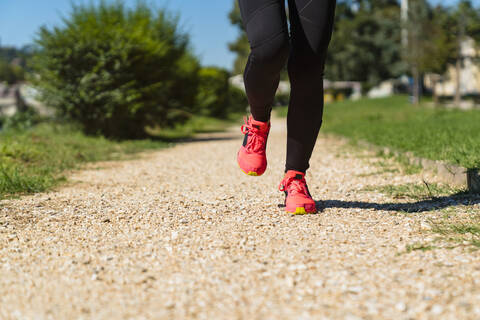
x: 300, y: 202
x: 249, y: 162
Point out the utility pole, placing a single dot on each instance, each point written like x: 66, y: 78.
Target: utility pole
x: 408, y: 47
x: 458, y: 64
x: 404, y: 18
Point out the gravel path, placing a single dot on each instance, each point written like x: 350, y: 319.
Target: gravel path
x: 183, y: 233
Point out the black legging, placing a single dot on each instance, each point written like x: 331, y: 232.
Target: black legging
x: 311, y: 23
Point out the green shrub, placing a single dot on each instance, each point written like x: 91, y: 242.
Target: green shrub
x: 20, y: 120
x: 117, y: 70
x: 281, y: 99
x: 237, y: 100
x: 216, y: 98
x: 9, y: 73
x: 212, y: 98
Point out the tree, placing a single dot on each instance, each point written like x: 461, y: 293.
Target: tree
x: 13, y: 64
x: 365, y: 45
x: 440, y: 47
x: 240, y: 46
x: 19, y: 57
x: 435, y: 39
x: 467, y: 19
x: 216, y: 97
x: 366, y: 42
x: 117, y: 70
x: 419, y: 27
x: 10, y: 73
x: 213, y: 92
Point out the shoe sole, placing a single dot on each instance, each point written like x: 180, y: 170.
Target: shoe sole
x: 301, y: 211
x: 249, y: 173
x: 298, y: 210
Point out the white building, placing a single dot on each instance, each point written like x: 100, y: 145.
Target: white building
x: 469, y: 74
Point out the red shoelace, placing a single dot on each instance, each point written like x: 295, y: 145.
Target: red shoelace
x: 256, y: 138
x: 294, y: 186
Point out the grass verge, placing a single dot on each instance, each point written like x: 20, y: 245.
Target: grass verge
x: 33, y: 160
x: 193, y: 126
x: 433, y: 133
x: 417, y: 191
x: 452, y: 215
x: 459, y: 229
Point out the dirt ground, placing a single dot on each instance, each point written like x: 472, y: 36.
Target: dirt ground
x: 183, y: 233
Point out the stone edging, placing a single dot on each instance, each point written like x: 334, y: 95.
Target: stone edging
x: 446, y: 172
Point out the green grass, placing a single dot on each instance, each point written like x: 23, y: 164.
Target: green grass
x: 379, y: 172
x: 35, y: 159
x: 455, y: 227
x: 32, y: 160
x: 416, y: 191
x: 464, y: 231
x: 418, y: 247
x: 195, y: 125
x: 407, y: 166
x: 433, y: 133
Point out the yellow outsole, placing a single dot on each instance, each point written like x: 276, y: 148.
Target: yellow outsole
x: 300, y: 211
x: 249, y: 173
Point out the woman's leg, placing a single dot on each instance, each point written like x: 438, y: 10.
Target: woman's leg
x: 311, y: 29
x: 266, y: 25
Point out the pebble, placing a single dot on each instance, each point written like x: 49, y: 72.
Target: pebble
x: 182, y: 234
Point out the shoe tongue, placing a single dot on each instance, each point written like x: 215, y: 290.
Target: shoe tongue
x: 298, y: 176
x: 262, y: 126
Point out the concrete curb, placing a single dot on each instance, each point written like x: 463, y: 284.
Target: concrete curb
x: 445, y: 172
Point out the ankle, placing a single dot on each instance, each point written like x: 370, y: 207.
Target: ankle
x: 260, y: 120
x: 295, y: 172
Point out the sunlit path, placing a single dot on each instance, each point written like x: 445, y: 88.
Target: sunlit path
x: 183, y: 233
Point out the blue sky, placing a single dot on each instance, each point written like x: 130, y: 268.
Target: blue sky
x: 205, y: 20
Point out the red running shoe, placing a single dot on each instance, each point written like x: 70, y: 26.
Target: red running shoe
x: 251, y: 157
x: 297, y: 197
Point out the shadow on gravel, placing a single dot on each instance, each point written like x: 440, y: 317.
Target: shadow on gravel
x: 436, y: 203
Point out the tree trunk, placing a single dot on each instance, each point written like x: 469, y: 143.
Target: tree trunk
x: 458, y: 95
x: 458, y: 65
x: 416, y: 86
x: 19, y: 101
x: 434, y: 92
